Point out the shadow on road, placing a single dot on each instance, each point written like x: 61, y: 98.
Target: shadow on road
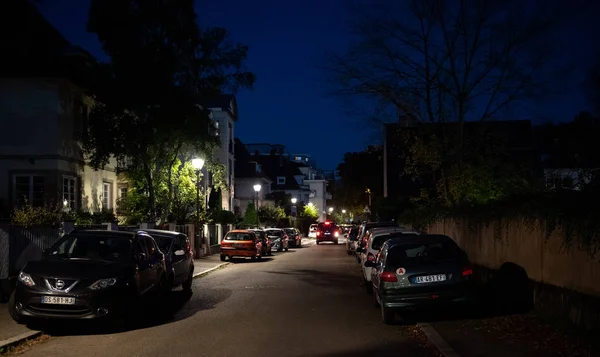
x: 178, y: 306
x: 398, y: 348
x: 321, y: 278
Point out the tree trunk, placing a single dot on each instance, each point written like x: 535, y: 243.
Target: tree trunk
x: 151, y: 196
x: 170, y: 178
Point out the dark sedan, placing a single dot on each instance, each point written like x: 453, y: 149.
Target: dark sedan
x: 90, y: 275
x: 294, y: 238
x: 415, y: 271
x: 178, y: 256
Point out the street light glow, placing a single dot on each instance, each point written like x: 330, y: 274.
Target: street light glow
x: 310, y: 204
x: 344, y: 211
x: 294, y: 200
x: 330, y: 209
x: 257, y: 187
x: 198, y: 163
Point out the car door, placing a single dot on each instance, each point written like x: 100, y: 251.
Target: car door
x: 154, y: 262
x: 143, y: 267
x: 178, y: 261
x: 378, y: 268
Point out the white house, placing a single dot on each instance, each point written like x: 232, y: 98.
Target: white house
x: 224, y: 114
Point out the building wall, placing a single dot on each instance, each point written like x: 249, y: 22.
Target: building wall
x: 225, y: 153
x: 319, y: 187
x: 39, y: 115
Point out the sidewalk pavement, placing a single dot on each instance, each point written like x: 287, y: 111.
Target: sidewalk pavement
x: 10, y: 331
x: 208, y: 263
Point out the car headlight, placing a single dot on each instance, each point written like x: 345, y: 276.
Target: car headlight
x: 103, y: 283
x: 26, y: 279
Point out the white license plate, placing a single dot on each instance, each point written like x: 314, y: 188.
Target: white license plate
x: 430, y: 278
x: 58, y: 300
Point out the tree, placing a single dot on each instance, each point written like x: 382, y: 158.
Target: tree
x: 149, y: 99
x: 280, y: 198
x: 270, y: 214
x: 359, y: 171
x: 444, y: 62
x: 250, y: 216
x: 309, y: 211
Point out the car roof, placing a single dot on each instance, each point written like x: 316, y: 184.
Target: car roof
x: 273, y: 229
x: 161, y: 232
x: 425, y: 238
x: 101, y: 232
x: 241, y: 231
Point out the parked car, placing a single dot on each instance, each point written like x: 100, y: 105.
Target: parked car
x: 279, y: 239
x: 365, y: 227
x: 328, y: 232
x: 241, y: 243
x: 351, y: 240
x: 420, y: 270
x: 375, y: 239
x: 312, y: 231
x: 90, y: 275
x: 266, y: 242
x: 294, y: 238
x: 179, y: 256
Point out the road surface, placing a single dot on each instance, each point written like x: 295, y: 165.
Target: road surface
x: 305, y: 302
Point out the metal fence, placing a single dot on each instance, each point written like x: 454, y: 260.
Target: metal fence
x: 27, y: 243
x: 128, y: 228
x: 183, y: 228
x: 213, y: 234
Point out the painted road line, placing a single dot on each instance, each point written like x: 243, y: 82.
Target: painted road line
x: 18, y: 339
x: 437, y: 340
x: 211, y: 269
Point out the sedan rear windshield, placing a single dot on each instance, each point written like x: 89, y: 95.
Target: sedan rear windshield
x: 290, y: 231
x: 260, y: 234
x: 93, y: 247
x: 239, y: 236
x: 164, y: 243
x: 423, y: 253
x: 328, y: 227
x: 273, y: 233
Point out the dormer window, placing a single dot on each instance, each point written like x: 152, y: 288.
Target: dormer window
x: 281, y: 180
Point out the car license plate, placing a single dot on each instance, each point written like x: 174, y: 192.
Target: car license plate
x: 58, y: 300
x: 239, y: 246
x: 430, y: 278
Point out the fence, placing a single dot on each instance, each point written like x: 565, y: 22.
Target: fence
x: 27, y: 243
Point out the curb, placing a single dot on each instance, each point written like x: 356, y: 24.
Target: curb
x: 204, y: 272
x: 4, y: 344
x: 434, y: 337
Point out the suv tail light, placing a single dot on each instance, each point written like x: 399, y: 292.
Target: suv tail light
x: 467, y: 270
x: 389, y: 277
x: 318, y: 233
x: 371, y: 257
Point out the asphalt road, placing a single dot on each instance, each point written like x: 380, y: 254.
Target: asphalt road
x: 306, y: 302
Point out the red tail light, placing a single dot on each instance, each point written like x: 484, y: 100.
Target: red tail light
x: 318, y: 233
x: 371, y: 257
x: 467, y: 270
x: 389, y: 277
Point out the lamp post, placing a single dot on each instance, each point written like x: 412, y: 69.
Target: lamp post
x: 294, y: 200
x: 198, y: 164
x: 257, y: 188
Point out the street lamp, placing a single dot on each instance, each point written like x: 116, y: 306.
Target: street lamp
x: 343, y: 211
x: 257, y: 188
x: 330, y: 210
x: 294, y: 200
x: 198, y: 164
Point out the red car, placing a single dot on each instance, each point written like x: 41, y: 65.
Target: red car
x: 328, y: 232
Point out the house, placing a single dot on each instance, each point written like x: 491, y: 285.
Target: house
x: 294, y: 177
x: 224, y: 114
x: 43, y: 113
x: 248, y: 173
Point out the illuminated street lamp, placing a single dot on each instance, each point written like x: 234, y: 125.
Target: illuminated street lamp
x: 294, y: 200
x: 330, y: 210
x: 343, y: 211
x: 198, y: 164
x: 257, y: 188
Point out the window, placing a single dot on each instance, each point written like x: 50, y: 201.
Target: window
x: 69, y: 191
x: 29, y: 189
x: 280, y: 180
x: 106, y: 195
x: 216, y: 128
x: 122, y: 192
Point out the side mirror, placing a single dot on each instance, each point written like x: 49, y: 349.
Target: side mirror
x: 370, y: 264
x: 179, y: 253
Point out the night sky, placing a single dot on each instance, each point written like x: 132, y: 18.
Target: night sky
x: 288, y: 41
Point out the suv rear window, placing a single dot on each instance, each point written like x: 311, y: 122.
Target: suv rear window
x: 327, y: 227
x: 239, y: 236
x: 423, y: 253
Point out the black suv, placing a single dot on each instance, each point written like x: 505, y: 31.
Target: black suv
x: 328, y: 232
x: 90, y: 275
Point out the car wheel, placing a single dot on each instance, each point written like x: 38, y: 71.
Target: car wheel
x: 317, y: 242
x: 187, y: 284
x: 13, y: 311
x: 336, y: 242
x: 222, y: 258
x: 387, y: 316
x: 287, y: 248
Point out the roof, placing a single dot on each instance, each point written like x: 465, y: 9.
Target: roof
x: 245, y: 164
x: 225, y: 102
x: 275, y: 166
x: 240, y: 231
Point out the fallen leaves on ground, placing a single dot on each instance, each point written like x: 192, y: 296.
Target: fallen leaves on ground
x: 530, y: 332
x: 21, y: 347
x: 417, y: 335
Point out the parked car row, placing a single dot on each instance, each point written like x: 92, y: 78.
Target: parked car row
x: 99, y: 274
x: 403, y: 269
x: 257, y: 243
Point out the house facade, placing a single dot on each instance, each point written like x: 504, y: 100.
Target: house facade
x: 248, y: 173
x: 224, y: 115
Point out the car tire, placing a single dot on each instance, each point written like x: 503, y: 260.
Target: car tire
x: 223, y: 258
x: 287, y: 248
x: 13, y: 311
x: 317, y: 242
x: 187, y: 284
x: 336, y: 242
x: 387, y: 316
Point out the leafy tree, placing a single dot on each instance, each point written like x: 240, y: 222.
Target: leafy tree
x: 149, y: 99
x: 309, y: 211
x: 280, y: 198
x: 359, y: 171
x: 270, y: 214
x: 250, y: 216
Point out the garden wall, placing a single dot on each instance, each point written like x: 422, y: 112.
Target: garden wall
x: 565, y: 281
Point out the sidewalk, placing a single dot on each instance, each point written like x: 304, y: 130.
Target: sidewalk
x: 208, y: 263
x: 10, y: 331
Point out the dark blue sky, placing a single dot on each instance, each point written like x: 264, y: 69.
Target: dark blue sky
x: 288, y: 40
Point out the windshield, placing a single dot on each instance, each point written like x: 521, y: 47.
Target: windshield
x: 275, y: 233
x: 290, y: 231
x: 92, y: 247
x: 353, y: 235
x: 328, y: 227
x: 239, y: 236
x: 260, y: 234
x: 423, y: 253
